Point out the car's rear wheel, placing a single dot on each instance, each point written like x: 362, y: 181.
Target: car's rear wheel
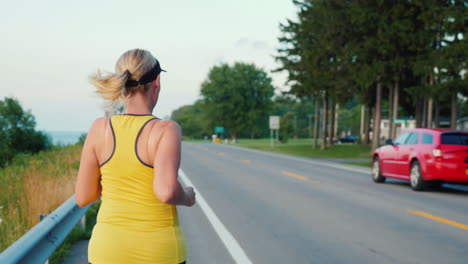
x: 376, y: 172
x: 416, y: 178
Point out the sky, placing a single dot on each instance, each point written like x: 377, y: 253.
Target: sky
x: 49, y: 48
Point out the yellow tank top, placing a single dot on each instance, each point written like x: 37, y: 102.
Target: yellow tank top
x: 133, y: 226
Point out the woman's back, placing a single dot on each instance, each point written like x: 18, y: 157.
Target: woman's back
x: 130, y: 214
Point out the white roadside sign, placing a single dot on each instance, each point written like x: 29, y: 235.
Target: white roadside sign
x: 274, y: 122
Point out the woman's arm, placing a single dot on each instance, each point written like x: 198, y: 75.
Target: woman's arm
x: 88, y: 185
x: 166, y: 163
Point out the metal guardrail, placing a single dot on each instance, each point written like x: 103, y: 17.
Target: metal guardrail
x: 43, y: 239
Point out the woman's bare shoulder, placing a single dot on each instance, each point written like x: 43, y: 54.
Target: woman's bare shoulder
x: 163, y: 127
x: 99, y: 123
x: 98, y: 127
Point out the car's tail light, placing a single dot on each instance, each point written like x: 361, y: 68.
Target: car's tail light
x: 437, y: 153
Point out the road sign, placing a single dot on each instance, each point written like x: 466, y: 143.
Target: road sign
x: 219, y: 129
x: 400, y: 121
x: 274, y: 122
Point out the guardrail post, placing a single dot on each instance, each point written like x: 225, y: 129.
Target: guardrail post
x: 41, y: 217
x: 83, y: 223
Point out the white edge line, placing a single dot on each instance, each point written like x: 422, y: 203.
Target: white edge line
x: 229, y: 241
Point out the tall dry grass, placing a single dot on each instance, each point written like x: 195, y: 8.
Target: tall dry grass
x: 32, y: 185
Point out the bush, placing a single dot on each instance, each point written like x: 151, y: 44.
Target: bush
x: 17, y: 132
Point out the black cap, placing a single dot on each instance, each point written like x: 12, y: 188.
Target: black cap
x: 148, y: 77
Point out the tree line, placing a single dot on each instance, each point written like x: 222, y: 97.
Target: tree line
x: 412, y: 53
x: 397, y: 59
x: 295, y: 120
x: 240, y: 97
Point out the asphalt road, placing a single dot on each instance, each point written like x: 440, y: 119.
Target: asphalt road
x: 271, y: 208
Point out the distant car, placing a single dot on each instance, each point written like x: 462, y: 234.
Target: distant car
x: 347, y: 139
x: 424, y: 157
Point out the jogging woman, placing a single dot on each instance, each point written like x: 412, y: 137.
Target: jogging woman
x: 131, y: 161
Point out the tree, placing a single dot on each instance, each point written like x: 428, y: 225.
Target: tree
x: 454, y: 45
x: 441, y: 59
x: 309, y: 60
x: 408, y: 55
x: 17, y: 131
x: 238, y: 97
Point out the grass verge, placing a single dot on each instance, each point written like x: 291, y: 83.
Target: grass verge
x: 32, y: 185
x: 303, y: 148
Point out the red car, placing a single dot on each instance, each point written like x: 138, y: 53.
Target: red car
x: 424, y: 157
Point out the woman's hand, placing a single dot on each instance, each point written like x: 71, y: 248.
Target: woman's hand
x: 189, y: 196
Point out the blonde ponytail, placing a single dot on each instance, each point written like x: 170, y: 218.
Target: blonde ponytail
x: 110, y: 86
x: 131, y: 65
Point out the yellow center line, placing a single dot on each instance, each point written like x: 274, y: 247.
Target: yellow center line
x: 300, y: 177
x: 245, y: 160
x: 440, y: 219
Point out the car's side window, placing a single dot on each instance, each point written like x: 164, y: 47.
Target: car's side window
x: 427, y: 139
x: 412, y: 139
x: 401, y: 139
